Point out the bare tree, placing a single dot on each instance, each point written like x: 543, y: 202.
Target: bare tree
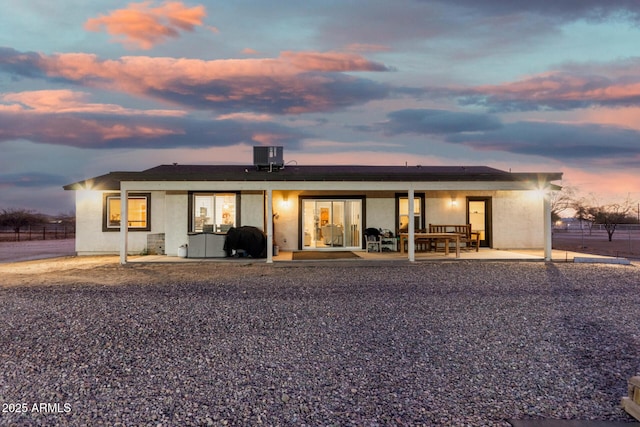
x: 561, y: 201
x: 18, y: 218
x: 609, y: 215
x: 612, y: 215
x: 585, y: 212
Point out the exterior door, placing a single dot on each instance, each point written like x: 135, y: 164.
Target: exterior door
x: 331, y: 223
x: 479, y: 216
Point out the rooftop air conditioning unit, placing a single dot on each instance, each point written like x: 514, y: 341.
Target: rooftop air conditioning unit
x: 268, y: 158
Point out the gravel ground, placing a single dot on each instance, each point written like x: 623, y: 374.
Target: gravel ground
x: 451, y: 343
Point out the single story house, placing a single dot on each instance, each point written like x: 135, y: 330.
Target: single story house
x: 308, y: 207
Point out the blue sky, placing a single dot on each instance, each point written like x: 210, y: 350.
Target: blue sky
x: 92, y: 87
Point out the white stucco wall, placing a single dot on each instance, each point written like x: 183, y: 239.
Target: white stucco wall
x: 517, y: 216
x: 285, y: 227
x: 439, y: 209
x: 381, y: 213
x: 89, y: 235
x: 518, y: 220
x: 91, y: 240
x: 252, y: 210
x: 177, y: 221
x: 158, y: 220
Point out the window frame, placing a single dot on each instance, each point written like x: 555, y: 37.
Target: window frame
x: 421, y: 215
x: 191, y: 207
x: 107, y: 197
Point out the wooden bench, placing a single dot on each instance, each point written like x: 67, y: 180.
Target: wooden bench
x: 421, y: 244
x: 469, y: 238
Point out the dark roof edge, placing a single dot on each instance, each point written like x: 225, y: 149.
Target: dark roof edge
x: 193, y: 173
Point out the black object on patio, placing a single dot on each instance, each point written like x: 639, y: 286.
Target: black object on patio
x: 247, y: 238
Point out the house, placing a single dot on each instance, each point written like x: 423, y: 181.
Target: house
x: 308, y: 207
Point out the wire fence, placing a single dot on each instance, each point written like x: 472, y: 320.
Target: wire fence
x: 594, y: 239
x: 587, y: 227
x: 38, y: 232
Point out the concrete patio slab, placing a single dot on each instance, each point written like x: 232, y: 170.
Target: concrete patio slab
x: 589, y: 259
x: 484, y: 254
x: 570, y: 423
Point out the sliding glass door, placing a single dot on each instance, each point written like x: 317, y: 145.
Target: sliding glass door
x: 331, y: 223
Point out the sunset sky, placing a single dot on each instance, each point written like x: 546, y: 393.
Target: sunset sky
x: 89, y: 87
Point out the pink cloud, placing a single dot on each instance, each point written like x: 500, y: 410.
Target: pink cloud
x: 559, y: 90
x: 143, y: 25
x: 67, y: 101
x: 622, y: 117
x: 249, y: 117
x: 78, y: 131
x: 563, y: 86
x: 330, y: 61
x: 65, y: 117
x: 294, y: 82
x: 158, y: 72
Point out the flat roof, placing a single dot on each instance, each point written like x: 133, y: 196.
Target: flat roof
x: 177, y: 172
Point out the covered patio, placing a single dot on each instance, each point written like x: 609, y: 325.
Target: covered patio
x: 484, y: 254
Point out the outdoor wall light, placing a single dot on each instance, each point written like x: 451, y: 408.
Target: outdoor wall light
x: 538, y: 193
x: 453, y: 202
x: 285, y: 201
x: 540, y: 189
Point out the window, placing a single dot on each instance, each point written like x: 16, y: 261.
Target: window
x: 138, y: 208
x: 213, y: 212
x: 403, y: 213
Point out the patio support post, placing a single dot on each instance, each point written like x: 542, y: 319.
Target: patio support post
x: 411, y: 241
x: 547, y: 226
x: 124, y: 223
x: 269, y: 221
